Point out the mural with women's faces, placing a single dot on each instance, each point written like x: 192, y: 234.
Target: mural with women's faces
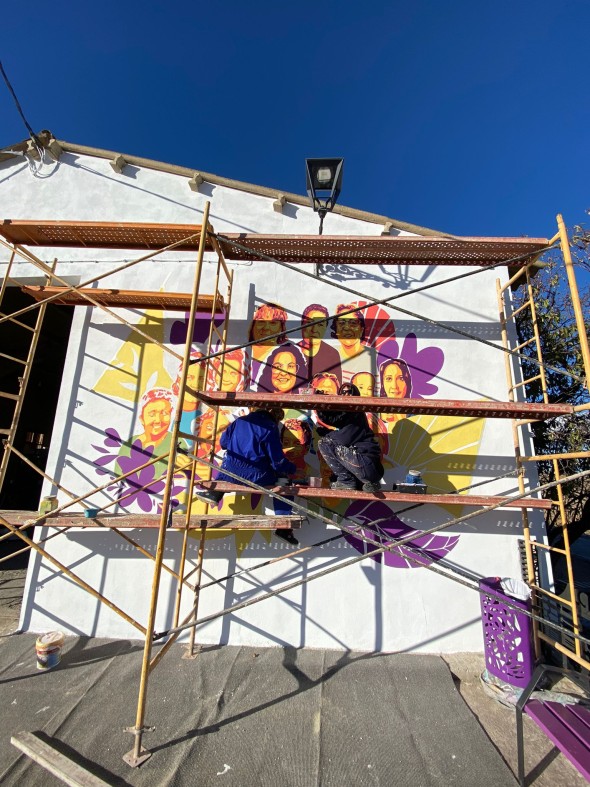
x: 350, y: 342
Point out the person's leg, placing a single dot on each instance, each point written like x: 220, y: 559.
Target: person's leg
x: 371, y: 472
x: 284, y: 509
x: 337, y: 457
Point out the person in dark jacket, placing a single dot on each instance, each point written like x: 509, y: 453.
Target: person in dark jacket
x: 350, y: 448
x: 253, y: 451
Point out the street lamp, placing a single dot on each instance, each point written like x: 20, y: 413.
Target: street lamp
x: 324, y: 181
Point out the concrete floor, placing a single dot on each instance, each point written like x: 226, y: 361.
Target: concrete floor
x: 546, y: 767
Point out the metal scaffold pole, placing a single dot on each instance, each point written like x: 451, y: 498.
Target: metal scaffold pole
x: 138, y: 754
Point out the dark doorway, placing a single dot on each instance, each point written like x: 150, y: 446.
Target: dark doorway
x: 22, y: 485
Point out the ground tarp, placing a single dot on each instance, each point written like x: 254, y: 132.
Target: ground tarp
x: 244, y: 716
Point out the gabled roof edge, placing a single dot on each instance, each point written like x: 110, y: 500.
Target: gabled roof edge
x: 263, y: 191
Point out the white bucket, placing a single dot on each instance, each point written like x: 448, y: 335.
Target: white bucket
x: 48, y: 648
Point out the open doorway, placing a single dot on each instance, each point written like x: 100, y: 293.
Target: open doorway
x: 22, y: 485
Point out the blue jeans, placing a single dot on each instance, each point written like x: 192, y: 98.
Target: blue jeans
x: 349, y: 465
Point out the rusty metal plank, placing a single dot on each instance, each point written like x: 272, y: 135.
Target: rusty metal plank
x: 313, y: 493
x: 145, y: 299
x: 376, y: 404
x: 309, y: 249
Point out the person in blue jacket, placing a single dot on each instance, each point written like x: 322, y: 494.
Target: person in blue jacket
x: 253, y: 451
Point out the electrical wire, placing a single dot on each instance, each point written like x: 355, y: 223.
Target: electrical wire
x: 32, y: 134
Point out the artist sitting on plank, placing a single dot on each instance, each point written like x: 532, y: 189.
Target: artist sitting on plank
x: 349, y: 447
x: 253, y: 452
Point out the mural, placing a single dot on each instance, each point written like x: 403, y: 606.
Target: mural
x: 362, y: 348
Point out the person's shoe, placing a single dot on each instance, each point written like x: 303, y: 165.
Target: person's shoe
x: 287, y: 535
x: 369, y: 487
x: 351, y: 486
x: 207, y: 496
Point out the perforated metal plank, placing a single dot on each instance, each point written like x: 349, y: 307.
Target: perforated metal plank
x: 309, y: 249
x: 376, y: 404
x: 379, y: 250
x: 100, y: 234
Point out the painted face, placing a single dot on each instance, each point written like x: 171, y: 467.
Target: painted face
x: 194, y: 382
x: 155, y: 419
x: 327, y: 386
x: 293, y: 443
x: 313, y: 333
x: 265, y: 326
x: 365, y: 383
x: 393, y: 382
x: 284, y: 372
x: 231, y: 376
x: 348, y: 329
x: 206, y: 428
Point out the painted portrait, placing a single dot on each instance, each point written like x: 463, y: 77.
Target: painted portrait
x: 227, y: 373
x: 320, y: 356
x: 396, y: 383
x: 348, y: 328
x: 195, y: 379
x: 296, y: 439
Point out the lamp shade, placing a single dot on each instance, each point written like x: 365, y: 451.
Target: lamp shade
x: 324, y: 181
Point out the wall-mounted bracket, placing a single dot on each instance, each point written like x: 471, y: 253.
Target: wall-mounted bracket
x: 279, y: 203
x: 196, y: 181
x: 118, y: 163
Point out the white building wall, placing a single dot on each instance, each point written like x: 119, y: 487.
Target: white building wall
x: 366, y: 606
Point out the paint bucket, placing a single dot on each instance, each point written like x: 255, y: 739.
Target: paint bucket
x: 48, y: 647
x: 315, y: 482
x: 414, y: 477
x: 91, y: 513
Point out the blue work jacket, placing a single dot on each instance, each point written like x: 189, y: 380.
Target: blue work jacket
x: 253, y: 450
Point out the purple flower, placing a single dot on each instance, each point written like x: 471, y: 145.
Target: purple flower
x: 142, y: 487
x: 425, y: 548
x: 424, y: 364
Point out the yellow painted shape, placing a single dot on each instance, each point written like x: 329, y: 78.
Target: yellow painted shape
x: 138, y: 364
x: 443, y: 448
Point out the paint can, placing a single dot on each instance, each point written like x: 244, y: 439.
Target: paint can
x: 414, y: 477
x: 315, y: 482
x: 48, y: 648
x: 48, y: 504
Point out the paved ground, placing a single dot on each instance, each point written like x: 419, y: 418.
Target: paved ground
x: 242, y: 716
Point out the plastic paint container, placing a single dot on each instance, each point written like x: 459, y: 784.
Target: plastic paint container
x: 91, y: 513
x: 414, y: 477
x: 48, y: 647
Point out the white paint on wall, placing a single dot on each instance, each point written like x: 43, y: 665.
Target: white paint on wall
x: 367, y: 606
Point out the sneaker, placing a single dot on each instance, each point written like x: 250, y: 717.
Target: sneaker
x: 208, y: 496
x: 350, y: 485
x: 287, y: 535
x: 369, y: 487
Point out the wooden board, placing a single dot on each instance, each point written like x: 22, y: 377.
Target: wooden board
x: 55, y: 762
x: 211, y: 521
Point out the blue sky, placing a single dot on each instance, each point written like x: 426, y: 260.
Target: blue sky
x: 468, y: 117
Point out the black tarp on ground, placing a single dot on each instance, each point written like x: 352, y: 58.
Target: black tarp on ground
x: 243, y: 716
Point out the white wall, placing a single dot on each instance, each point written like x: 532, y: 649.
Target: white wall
x: 367, y: 606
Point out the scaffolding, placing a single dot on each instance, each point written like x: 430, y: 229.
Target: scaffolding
x: 519, y: 255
